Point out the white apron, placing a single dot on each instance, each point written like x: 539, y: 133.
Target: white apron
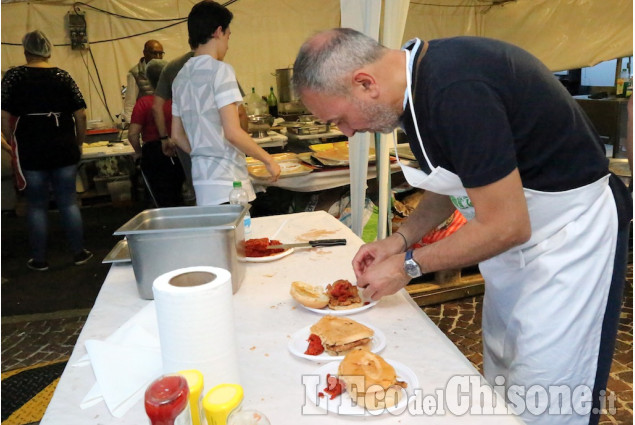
x: 545, y: 299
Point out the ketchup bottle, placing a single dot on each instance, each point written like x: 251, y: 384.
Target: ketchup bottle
x: 166, y: 401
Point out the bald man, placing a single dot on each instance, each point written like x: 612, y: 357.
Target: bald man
x: 138, y: 84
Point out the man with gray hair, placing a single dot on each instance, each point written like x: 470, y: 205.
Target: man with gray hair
x: 496, y: 136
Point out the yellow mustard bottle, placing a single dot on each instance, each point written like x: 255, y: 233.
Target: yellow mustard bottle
x: 195, y: 383
x: 221, y: 401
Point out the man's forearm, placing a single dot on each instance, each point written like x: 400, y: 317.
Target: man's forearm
x: 501, y: 222
x: 431, y: 211
x: 243, y: 118
x: 159, y: 116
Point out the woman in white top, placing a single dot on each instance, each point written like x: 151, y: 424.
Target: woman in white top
x: 205, y: 99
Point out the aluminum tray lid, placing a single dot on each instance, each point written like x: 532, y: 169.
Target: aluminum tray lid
x: 163, y: 220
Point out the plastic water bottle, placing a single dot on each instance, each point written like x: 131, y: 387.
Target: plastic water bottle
x: 238, y: 196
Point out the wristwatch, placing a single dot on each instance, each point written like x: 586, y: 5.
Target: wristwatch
x: 410, y: 266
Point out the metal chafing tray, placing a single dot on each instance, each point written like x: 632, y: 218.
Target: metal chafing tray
x: 119, y: 254
x: 165, y: 239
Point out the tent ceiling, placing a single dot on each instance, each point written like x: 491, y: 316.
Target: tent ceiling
x: 266, y: 35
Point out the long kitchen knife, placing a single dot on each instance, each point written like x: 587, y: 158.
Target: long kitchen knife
x: 310, y: 244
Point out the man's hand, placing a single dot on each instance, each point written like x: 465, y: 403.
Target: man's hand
x: 168, y: 148
x: 384, y: 277
x: 375, y: 252
x: 274, y: 169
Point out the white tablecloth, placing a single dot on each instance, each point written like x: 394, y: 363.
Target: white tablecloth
x: 266, y: 317
x: 90, y: 153
x: 272, y: 140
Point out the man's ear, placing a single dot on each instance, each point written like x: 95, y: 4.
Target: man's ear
x: 366, y: 83
x: 218, y: 32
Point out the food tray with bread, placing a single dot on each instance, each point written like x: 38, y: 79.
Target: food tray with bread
x: 340, y: 298
x: 278, y: 157
x: 287, y: 169
x: 336, y: 154
x: 332, y: 337
x: 363, y: 384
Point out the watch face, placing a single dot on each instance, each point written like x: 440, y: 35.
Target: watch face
x: 412, y: 268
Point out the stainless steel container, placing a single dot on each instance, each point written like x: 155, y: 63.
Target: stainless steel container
x: 165, y: 239
x: 286, y: 93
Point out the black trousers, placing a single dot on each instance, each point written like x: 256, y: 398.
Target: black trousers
x: 611, y: 321
x: 164, y: 174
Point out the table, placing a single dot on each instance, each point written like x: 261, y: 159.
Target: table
x: 91, y: 153
x: 320, y: 179
x: 100, y: 151
x: 266, y: 317
x: 272, y: 140
x: 332, y: 133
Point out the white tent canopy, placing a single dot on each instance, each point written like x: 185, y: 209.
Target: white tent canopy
x: 266, y: 35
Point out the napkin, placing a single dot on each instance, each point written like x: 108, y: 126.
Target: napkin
x: 125, y: 363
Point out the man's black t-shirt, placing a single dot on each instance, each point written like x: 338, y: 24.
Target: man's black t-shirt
x: 485, y: 107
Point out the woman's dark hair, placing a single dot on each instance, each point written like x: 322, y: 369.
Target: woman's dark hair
x: 203, y: 20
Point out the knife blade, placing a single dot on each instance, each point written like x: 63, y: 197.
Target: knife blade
x: 310, y: 244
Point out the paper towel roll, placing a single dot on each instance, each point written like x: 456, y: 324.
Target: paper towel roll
x: 196, y: 323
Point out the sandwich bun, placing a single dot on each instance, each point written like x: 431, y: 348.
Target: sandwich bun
x: 340, y: 335
x: 370, y: 380
x: 308, y: 295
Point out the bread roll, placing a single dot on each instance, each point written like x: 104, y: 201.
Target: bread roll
x: 380, y: 386
x: 308, y: 295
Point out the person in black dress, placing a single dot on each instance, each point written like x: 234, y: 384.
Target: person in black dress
x: 44, y: 118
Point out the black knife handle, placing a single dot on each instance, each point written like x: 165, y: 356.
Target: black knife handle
x: 328, y: 242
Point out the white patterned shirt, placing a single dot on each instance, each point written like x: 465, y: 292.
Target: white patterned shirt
x: 202, y: 87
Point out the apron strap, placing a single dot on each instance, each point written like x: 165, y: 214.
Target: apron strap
x: 422, y: 53
x: 415, y: 68
x: 56, y: 115
x: 20, y: 181
x: 409, y: 83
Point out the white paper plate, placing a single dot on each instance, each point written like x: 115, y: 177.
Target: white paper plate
x: 269, y: 258
x: 343, y: 404
x: 298, y: 344
x: 327, y: 310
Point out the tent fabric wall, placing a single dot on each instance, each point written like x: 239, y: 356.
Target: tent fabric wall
x: 394, y: 22
x: 266, y: 35
x: 564, y: 34
x: 364, y: 16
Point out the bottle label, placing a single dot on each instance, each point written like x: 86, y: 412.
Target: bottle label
x: 247, y: 224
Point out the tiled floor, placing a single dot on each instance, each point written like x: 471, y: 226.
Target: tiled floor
x: 28, y: 340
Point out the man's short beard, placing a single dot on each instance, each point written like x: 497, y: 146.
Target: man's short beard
x: 383, y: 118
